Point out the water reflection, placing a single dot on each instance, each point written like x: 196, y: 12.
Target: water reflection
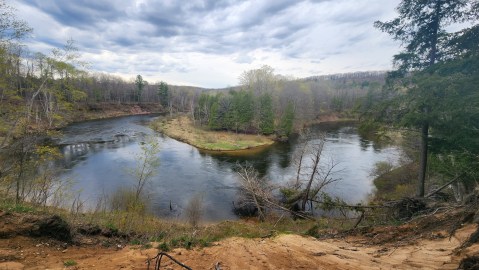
x: 98, y: 153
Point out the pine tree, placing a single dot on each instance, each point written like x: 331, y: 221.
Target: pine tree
x: 286, y: 124
x: 246, y: 110
x: 215, y: 117
x: 163, y: 94
x: 140, y: 85
x: 420, y: 27
x: 266, y: 115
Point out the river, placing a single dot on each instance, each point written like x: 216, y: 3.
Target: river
x: 97, y: 156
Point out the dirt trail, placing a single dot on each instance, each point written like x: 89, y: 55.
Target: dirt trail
x: 281, y: 252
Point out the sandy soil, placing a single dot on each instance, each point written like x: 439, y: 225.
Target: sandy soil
x: 435, y: 251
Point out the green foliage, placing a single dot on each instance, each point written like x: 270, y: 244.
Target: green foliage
x: 214, y: 121
x: 288, y: 193
x: 234, y: 111
x: 11, y: 28
x: 69, y: 263
x: 313, y: 231
x: 381, y: 168
x: 240, y: 113
x: 450, y: 92
x: 112, y: 227
x: 9, y: 206
x: 438, y: 95
x: 163, y: 94
x: 337, y: 104
x: 396, y: 183
x: 266, y: 115
x: 421, y: 26
x: 164, y: 247
x: 136, y: 242
x: 287, y: 121
x: 140, y: 85
x: 187, y: 242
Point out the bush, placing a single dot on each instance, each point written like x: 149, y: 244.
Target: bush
x: 124, y: 199
x: 164, y: 247
x: 194, y: 210
x: 381, y: 168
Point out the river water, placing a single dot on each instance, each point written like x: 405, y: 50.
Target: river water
x: 98, y: 156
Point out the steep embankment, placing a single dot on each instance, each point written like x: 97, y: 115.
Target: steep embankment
x: 423, y: 244
x: 282, y: 252
x: 107, y: 110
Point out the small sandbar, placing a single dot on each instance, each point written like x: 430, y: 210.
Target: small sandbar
x: 182, y: 128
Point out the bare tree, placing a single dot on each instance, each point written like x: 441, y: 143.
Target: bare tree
x: 254, y: 190
x: 316, y: 151
x: 147, y: 163
x: 314, y: 171
x: 194, y: 210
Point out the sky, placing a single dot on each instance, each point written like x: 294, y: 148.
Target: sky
x: 209, y: 43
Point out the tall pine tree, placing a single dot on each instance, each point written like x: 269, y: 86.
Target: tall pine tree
x: 163, y: 94
x: 266, y: 115
x: 420, y: 27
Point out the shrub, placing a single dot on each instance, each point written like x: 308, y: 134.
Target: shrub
x: 194, y: 210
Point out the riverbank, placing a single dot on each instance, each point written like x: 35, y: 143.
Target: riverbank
x: 181, y: 128
x: 332, y: 118
x: 94, y: 111
x: 26, y: 243
x: 110, y: 110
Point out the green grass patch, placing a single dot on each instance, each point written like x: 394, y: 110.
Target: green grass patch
x: 313, y: 231
x: 164, y: 247
x: 69, y: 263
x: 8, y: 205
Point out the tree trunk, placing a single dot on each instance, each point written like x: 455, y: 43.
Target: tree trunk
x: 425, y: 125
x: 260, y: 211
x: 423, y: 158
x: 316, y: 160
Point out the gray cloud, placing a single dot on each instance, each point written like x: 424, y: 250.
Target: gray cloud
x: 83, y: 14
x: 175, y: 36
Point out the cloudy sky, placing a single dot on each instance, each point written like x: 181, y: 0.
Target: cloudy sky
x: 209, y: 43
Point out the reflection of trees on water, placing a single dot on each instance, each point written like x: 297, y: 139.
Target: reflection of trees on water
x: 261, y: 162
x: 339, y: 129
x: 364, y: 144
x: 73, y: 153
x: 285, y: 155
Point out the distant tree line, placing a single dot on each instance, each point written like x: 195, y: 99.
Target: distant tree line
x: 267, y: 103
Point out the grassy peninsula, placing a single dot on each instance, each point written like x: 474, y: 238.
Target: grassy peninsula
x: 183, y: 129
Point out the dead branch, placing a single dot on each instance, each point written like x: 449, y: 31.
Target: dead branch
x: 158, y: 258
x: 444, y: 186
x: 359, y: 220
x: 342, y: 205
x: 318, y: 149
x: 255, y: 190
